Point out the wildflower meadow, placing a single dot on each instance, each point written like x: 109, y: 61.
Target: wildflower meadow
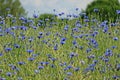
x: 71, y: 48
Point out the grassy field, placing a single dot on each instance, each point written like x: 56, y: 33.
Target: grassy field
x: 61, y: 51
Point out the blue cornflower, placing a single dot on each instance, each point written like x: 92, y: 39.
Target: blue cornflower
x: 105, y: 30
x: 40, y: 36
x: 69, y: 67
x: 91, y: 56
x: 31, y: 39
x: 81, y: 47
x: 62, y: 42
x: 69, y: 73
x: 112, y: 24
x: 29, y: 51
x: 8, y: 49
x: 16, y: 46
x: 66, y: 28
x: 65, y: 69
x: 56, y: 47
x: 34, y: 55
x: 14, y: 27
x: 40, y: 33
x: 72, y: 55
x: 13, y: 67
x: 23, y: 37
x: 40, y: 67
x: 77, y: 9
x: 77, y: 69
x: 95, y: 61
x: 106, y: 59
x: 9, y: 74
x: 86, y: 70
x: 66, y: 78
x: 35, y: 15
x: 47, y: 33
x: 1, y: 54
x: 113, y: 47
x: 52, y: 65
x: 21, y: 63
x: 63, y: 39
x: 8, y: 30
x: 34, y: 27
x: 78, y: 25
x: 9, y: 15
x: 115, y: 38
x: 22, y: 18
x: 88, y: 50
x: 118, y: 11
x: 44, y: 63
x: 49, y: 55
x: 108, y: 52
x: 23, y: 28
x: 74, y: 42
x: 116, y: 77
x: 53, y: 59
x: 81, y: 35
x: 2, y: 78
x: 31, y: 59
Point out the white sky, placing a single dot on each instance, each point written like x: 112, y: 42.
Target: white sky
x: 47, y: 6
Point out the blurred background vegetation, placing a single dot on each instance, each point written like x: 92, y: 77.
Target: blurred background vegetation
x: 13, y: 7
x: 102, y: 9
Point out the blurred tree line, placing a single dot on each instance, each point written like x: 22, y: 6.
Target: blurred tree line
x: 13, y: 7
x: 104, y: 9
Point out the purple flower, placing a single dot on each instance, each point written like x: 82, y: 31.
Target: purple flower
x: 16, y: 46
x: 72, y: 55
x: 21, y: 63
x: 74, y: 42
x: 40, y: 67
x: 77, y: 9
x: 40, y: 33
x: 115, y: 38
x: 2, y: 78
x: 118, y: 11
x: 35, y: 15
x: 9, y: 74
x: 1, y: 54
x: 8, y: 49
x: 56, y: 47
x: 116, y: 77
x: 106, y: 59
x: 23, y: 28
x: 29, y: 51
x: 77, y: 69
x: 52, y: 65
x: 69, y: 73
x: 31, y: 59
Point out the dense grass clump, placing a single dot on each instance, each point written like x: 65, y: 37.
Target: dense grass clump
x: 79, y: 49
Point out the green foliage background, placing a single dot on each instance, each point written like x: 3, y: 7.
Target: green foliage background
x: 13, y: 7
x: 107, y: 9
